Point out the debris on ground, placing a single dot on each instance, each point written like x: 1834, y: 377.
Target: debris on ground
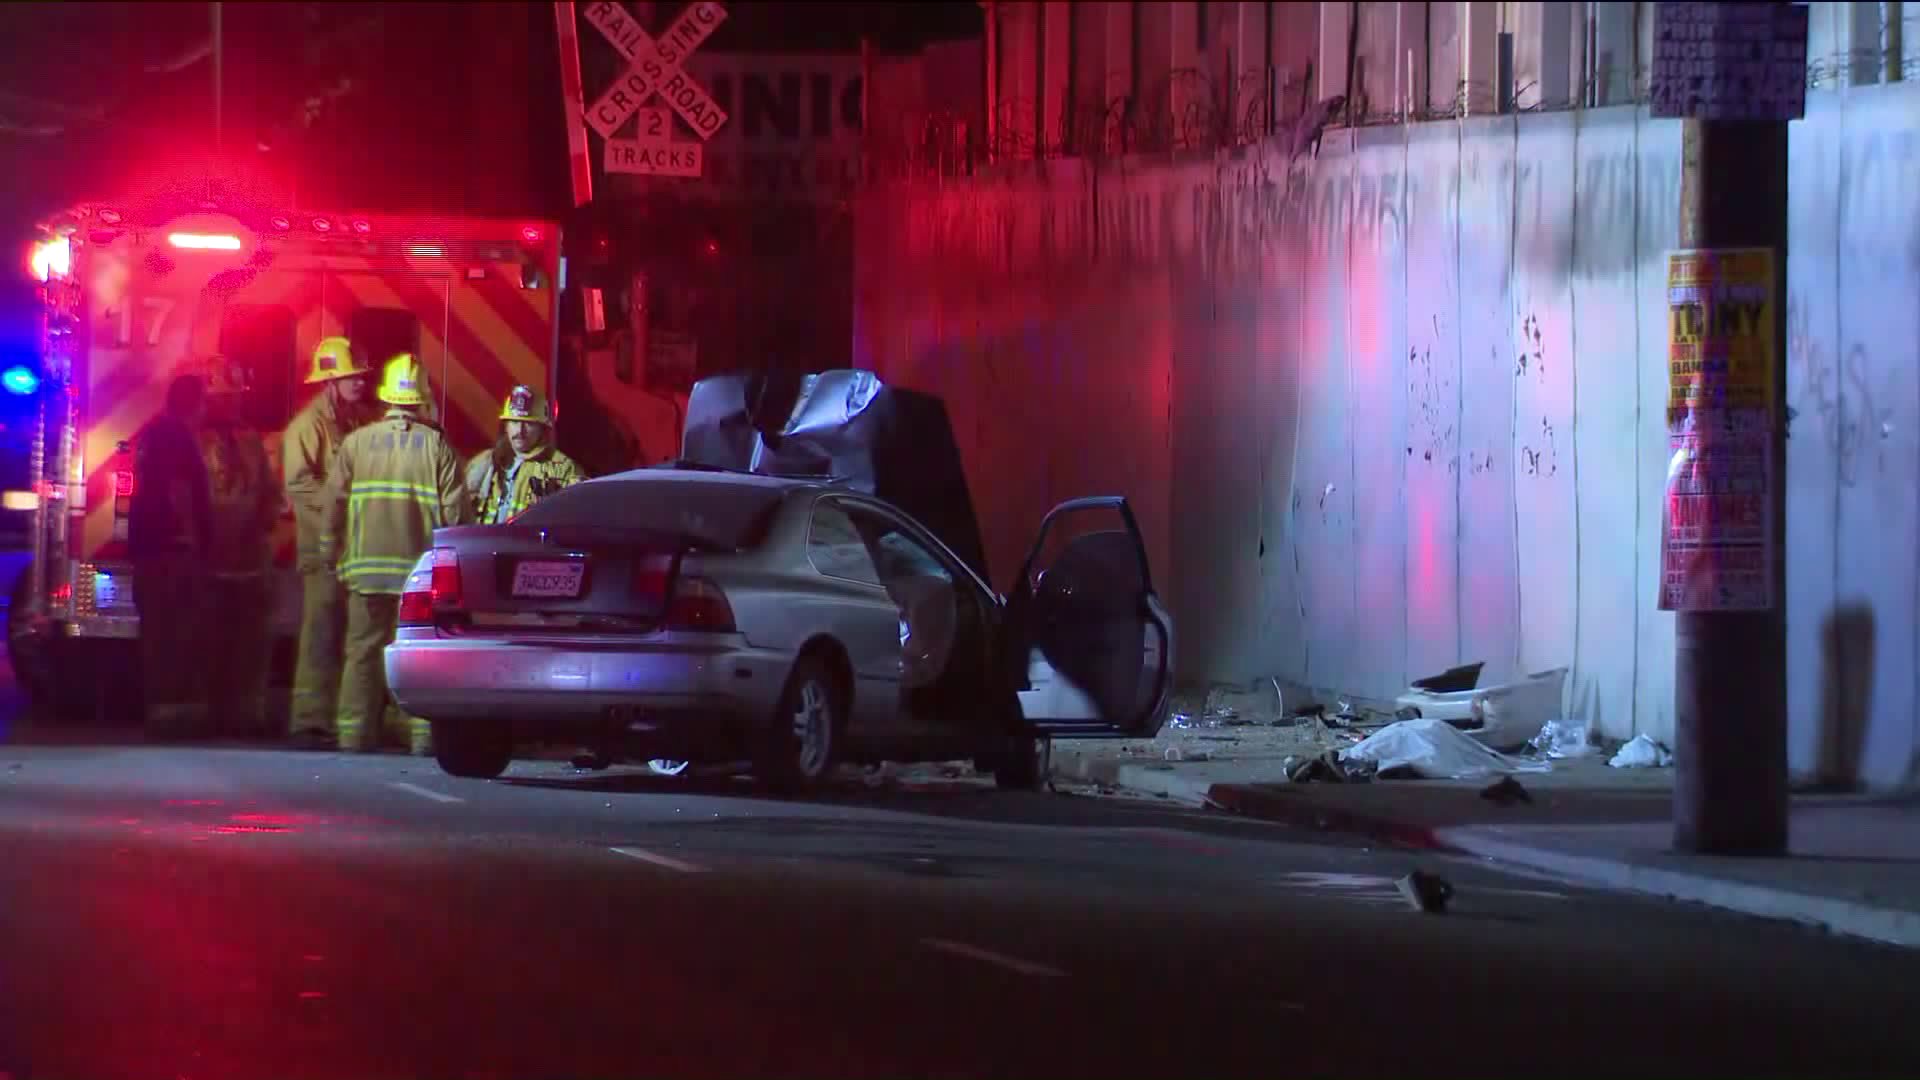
x: 1301, y: 769
x: 1175, y: 753
x: 1642, y: 753
x: 1435, y: 750
x: 1562, y: 738
x: 1505, y: 792
x: 1504, y: 717
x: 1426, y: 892
x: 1234, y: 706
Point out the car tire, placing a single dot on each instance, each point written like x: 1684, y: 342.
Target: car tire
x: 801, y: 741
x: 1026, y: 766
x: 473, y: 750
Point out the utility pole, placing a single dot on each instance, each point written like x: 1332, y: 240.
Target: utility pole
x: 1735, y: 74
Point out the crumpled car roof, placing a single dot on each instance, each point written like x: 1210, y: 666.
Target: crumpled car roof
x: 893, y: 443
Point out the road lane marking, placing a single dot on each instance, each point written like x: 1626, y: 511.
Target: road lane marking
x: 988, y: 956
x: 658, y: 859
x: 425, y: 793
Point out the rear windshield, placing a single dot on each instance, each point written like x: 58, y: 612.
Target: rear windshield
x: 716, y: 514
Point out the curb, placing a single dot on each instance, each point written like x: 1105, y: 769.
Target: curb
x: 1889, y: 926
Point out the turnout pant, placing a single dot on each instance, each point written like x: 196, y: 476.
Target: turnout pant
x: 237, y: 653
x: 170, y: 595
x: 372, y: 620
x: 316, y: 676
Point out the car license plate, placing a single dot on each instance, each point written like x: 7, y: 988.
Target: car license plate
x: 548, y: 578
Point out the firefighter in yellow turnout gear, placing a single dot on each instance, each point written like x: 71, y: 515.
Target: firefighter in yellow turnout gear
x: 307, y: 451
x: 393, y: 482
x: 245, y: 501
x: 524, y: 466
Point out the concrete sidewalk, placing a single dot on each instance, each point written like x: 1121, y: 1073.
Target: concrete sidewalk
x: 1854, y: 868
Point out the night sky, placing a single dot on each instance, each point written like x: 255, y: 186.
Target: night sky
x: 86, y: 94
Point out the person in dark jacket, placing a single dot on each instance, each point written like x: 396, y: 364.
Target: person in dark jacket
x: 169, y: 528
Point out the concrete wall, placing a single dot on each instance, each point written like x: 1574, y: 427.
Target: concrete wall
x: 1401, y: 407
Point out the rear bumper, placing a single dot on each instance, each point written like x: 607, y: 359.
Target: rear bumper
x: 673, y: 688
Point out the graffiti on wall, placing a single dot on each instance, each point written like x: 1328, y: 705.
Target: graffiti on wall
x: 1836, y: 402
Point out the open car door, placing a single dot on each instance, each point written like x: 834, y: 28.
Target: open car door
x: 1085, y: 642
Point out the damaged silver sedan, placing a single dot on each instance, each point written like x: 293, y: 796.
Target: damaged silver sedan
x: 762, y: 600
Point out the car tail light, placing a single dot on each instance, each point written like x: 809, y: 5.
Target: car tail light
x: 433, y: 586
x: 123, y: 484
x: 698, y: 604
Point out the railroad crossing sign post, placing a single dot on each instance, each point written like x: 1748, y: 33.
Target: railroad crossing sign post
x: 654, y: 69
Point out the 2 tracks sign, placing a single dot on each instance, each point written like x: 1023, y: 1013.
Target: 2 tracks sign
x: 655, y: 70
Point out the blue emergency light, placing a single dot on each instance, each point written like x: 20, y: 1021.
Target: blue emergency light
x: 20, y: 379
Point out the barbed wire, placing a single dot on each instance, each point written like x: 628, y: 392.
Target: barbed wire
x: 1188, y: 110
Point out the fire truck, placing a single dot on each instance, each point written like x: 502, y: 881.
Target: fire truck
x: 134, y: 292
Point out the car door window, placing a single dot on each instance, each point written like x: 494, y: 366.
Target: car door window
x: 924, y: 590
x: 836, y: 548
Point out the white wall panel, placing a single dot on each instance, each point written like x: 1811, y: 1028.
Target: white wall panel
x: 1489, y: 577
x: 1821, y: 729
x: 1878, y: 525
x: 1606, y: 443
x: 1433, y: 392
x: 1323, y: 491
x: 1542, y: 357
x: 1376, y: 354
x: 1657, y: 217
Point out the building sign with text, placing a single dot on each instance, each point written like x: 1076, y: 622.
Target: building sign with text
x: 1733, y: 61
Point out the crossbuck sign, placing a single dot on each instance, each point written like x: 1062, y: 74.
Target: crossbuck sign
x: 654, y: 69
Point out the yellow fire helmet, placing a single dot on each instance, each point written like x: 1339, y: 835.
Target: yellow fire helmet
x: 333, y: 359
x: 223, y: 376
x: 402, y: 382
x: 526, y: 404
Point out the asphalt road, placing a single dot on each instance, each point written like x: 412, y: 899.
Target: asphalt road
x: 210, y: 912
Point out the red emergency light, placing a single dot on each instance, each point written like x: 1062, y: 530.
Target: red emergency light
x: 123, y: 484
x: 204, y: 241
x: 362, y: 227
x: 109, y: 217
x: 531, y: 234
x: 282, y: 223
x: 321, y: 224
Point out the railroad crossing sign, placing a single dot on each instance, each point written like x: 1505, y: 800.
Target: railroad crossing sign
x: 654, y: 69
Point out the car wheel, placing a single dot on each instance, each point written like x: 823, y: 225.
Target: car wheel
x: 667, y: 766
x: 802, y: 741
x: 474, y: 750
x: 1026, y: 766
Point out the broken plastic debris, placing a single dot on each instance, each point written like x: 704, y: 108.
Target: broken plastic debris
x: 1642, y: 753
x: 1426, y: 892
x: 1174, y: 753
x: 1561, y: 738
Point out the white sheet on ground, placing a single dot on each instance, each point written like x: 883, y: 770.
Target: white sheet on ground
x: 1436, y: 750
x: 1641, y: 753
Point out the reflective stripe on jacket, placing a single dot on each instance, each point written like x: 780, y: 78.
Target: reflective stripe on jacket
x: 497, y: 487
x: 392, y: 483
